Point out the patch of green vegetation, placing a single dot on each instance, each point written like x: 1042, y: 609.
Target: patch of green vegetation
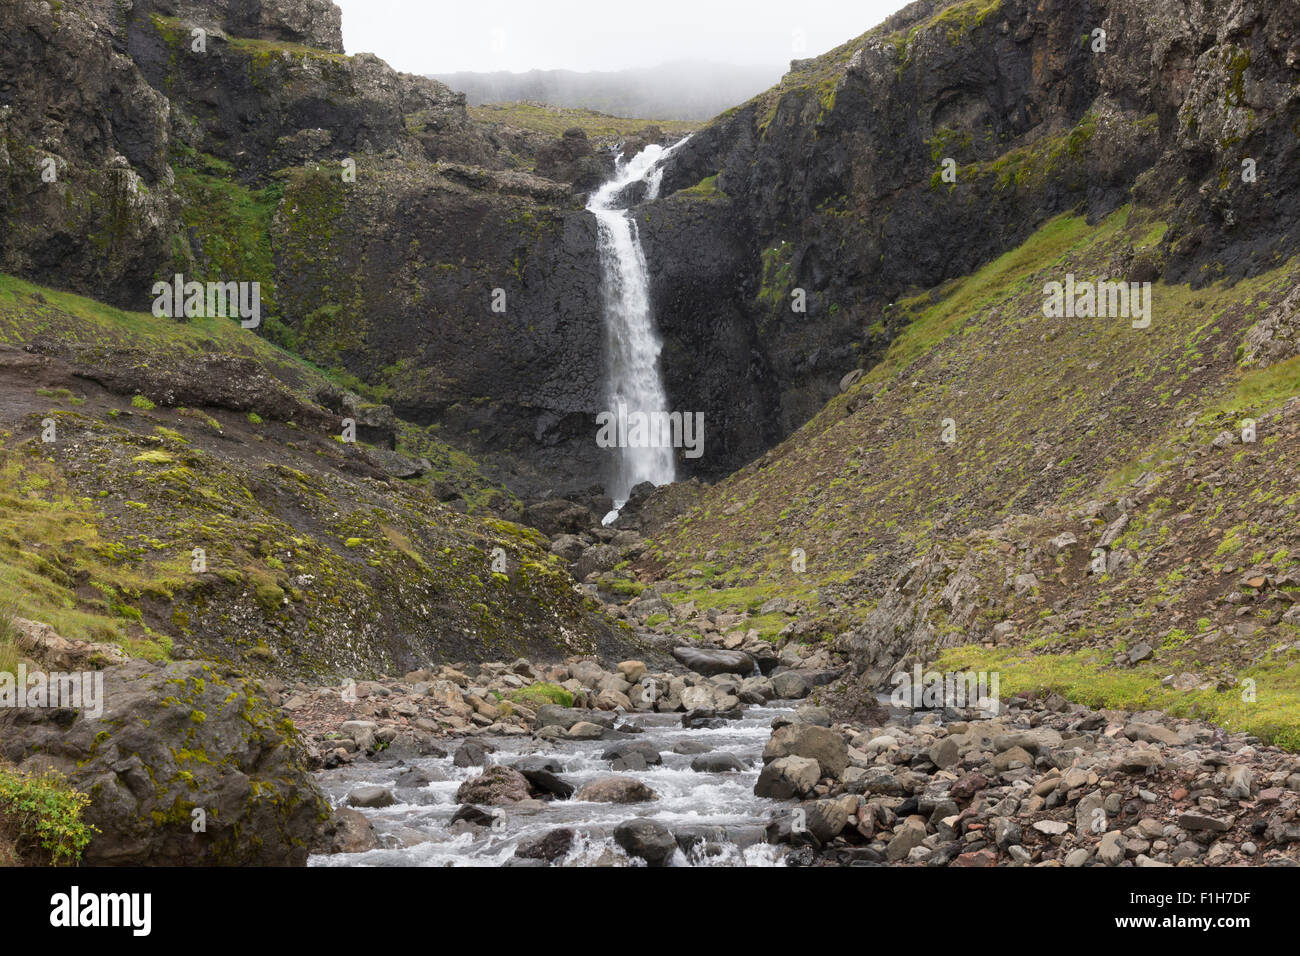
x: 603, y: 130
x: 540, y: 694
x: 1273, y: 716
x: 42, y: 814
x: 706, y: 188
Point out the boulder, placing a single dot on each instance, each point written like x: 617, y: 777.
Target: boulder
x: 494, y: 786
x: 787, y: 777
x: 651, y: 841
x: 616, y: 790
x: 710, y: 661
x: 808, y: 740
x: 170, y: 739
x: 549, y: 846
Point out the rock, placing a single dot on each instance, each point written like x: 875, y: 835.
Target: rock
x: 371, y: 797
x: 586, y: 730
x: 1151, y: 734
x: 549, y: 846
x: 553, y: 715
x: 944, y: 753
x: 472, y: 753
x: 1014, y: 759
x: 908, y: 836
x: 545, y: 782
x: 471, y: 815
x: 1139, y: 653
x: 787, y: 777
x: 352, y: 832
x: 616, y: 790
x: 691, y: 747
x: 1240, y: 783
x: 651, y: 841
x: 632, y: 671
x: 790, y: 685
x: 1201, y: 822
x: 717, y: 762
x: 494, y: 786
x: 826, y: 819
x: 1111, y: 849
x: 648, y: 752
x: 808, y: 740
x: 243, y: 768
x: 568, y: 546
x: 808, y: 714
x: 1051, y: 827
x: 710, y: 661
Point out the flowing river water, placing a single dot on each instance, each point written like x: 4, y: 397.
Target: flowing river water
x: 716, y: 814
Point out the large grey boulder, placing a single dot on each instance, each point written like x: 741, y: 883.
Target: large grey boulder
x: 175, y: 745
x: 709, y: 661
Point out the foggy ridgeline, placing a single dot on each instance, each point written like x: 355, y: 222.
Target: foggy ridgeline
x: 893, y: 462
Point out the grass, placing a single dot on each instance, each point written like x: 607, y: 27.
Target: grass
x: 601, y: 129
x: 1273, y: 716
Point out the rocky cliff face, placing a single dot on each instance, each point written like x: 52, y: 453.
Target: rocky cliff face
x: 833, y: 181
x: 221, y: 141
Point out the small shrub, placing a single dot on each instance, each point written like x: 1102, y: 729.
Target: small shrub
x: 43, y: 811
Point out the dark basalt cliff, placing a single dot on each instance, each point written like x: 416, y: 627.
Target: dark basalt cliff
x: 832, y: 182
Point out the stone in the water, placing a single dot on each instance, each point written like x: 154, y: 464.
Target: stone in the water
x: 717, y: 762
x: 496, y: 785
x: 371, y: 797
x: 548, y: 846
x: 545, y: 782
x: 651, y: 841
x: 647, y: 751
x: 691, y: 747
x: 475, y: 816
x: 616, y: 790
x: 472, y: 753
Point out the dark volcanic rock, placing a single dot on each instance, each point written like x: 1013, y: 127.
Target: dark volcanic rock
x: 172, y: 740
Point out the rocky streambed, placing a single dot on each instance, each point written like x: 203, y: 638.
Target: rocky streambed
x: 746, y: 777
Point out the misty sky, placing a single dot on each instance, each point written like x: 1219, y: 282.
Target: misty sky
x: 429, y: 36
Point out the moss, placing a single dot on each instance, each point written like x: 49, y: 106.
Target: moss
x: 536, y: 695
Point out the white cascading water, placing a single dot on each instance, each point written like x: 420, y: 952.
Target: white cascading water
x: 633, y: 378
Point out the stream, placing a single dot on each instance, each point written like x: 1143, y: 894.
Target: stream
x: 716, y: 814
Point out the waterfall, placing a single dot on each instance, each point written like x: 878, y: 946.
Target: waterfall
x: 633, y: 382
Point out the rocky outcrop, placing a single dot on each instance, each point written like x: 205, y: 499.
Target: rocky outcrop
x: 831, y: 186
x: 187, y: 764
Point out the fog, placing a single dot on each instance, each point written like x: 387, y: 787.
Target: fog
x: 680, y: 90
x: 420, y: 36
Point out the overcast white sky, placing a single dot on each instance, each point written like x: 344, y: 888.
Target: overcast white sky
x: 434, y: 36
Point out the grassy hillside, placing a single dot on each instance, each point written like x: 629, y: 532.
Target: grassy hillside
x: 1078, y: 425
x: 314, y: 562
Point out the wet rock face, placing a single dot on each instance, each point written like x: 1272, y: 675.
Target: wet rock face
x: 172, y: 740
